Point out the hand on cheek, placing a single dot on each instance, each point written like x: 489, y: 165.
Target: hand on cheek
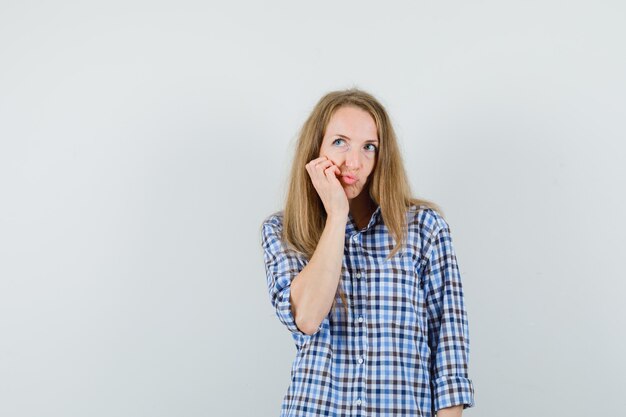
x: 337, y: 170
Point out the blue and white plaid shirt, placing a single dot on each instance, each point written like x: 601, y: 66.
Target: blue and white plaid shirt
x: 403, y: 349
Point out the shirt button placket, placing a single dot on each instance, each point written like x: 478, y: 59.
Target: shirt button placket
x: 360, y: 296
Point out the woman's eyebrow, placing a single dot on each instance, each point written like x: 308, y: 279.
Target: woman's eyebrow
x: 367, y: 141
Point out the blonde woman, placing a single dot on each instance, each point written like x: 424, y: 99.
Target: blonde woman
x: 365, y: 276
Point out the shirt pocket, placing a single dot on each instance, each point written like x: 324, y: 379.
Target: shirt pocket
x: 395, y: 289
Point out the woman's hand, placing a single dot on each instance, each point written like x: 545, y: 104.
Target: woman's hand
x: 323, y: 173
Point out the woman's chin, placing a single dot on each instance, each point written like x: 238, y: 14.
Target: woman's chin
x: 351, y: 192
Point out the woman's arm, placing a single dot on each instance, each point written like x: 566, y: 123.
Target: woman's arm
x: 448, y: 330
x: 450, y: 411
x: 313, y: 289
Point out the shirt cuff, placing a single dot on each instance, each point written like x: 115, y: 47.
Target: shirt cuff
x: 283, y: 311
x: 451, y: 390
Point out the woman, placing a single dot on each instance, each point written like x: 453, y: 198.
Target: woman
x: 365, y: 276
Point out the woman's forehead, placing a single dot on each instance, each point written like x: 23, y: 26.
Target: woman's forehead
x: 353, y: 124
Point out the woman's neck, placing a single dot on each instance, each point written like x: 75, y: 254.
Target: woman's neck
x: 361, y: 208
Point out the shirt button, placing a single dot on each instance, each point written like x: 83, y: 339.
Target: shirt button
x: 360, y: 360
x: 360, y: 319
x: 355, y: 238
x: 358, y: 402
x: 358, y: 275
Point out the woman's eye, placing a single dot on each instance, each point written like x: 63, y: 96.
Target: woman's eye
x: 374, y: 148
x: 336, y: 140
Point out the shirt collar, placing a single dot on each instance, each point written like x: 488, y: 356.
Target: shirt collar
x: 374, y: 219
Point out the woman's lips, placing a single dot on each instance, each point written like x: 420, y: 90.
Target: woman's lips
x: 349, y: 179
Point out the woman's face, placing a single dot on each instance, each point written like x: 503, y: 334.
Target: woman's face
x: 351, y: 142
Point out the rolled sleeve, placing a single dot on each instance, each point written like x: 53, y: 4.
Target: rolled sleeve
x: 448, y: 332
x: 281, y: 267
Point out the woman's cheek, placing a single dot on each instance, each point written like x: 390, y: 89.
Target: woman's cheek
x: 332, y: 158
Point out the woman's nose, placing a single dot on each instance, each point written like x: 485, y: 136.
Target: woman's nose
x: 353, y: 158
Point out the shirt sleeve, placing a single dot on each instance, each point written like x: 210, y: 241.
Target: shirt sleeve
x: 281, y: 267
x: 448, y: 333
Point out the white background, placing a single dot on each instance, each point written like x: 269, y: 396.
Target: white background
x: 143, y: 142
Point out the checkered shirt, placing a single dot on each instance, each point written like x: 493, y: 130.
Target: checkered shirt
x: 403, y: 347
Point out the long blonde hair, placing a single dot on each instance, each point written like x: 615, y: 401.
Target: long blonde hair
x: 304, y: 215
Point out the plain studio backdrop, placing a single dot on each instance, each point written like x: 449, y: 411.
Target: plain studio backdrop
x: 143, y: 143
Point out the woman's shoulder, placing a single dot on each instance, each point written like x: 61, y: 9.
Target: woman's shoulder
x: 425, y: 218
x: 274, y: 220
